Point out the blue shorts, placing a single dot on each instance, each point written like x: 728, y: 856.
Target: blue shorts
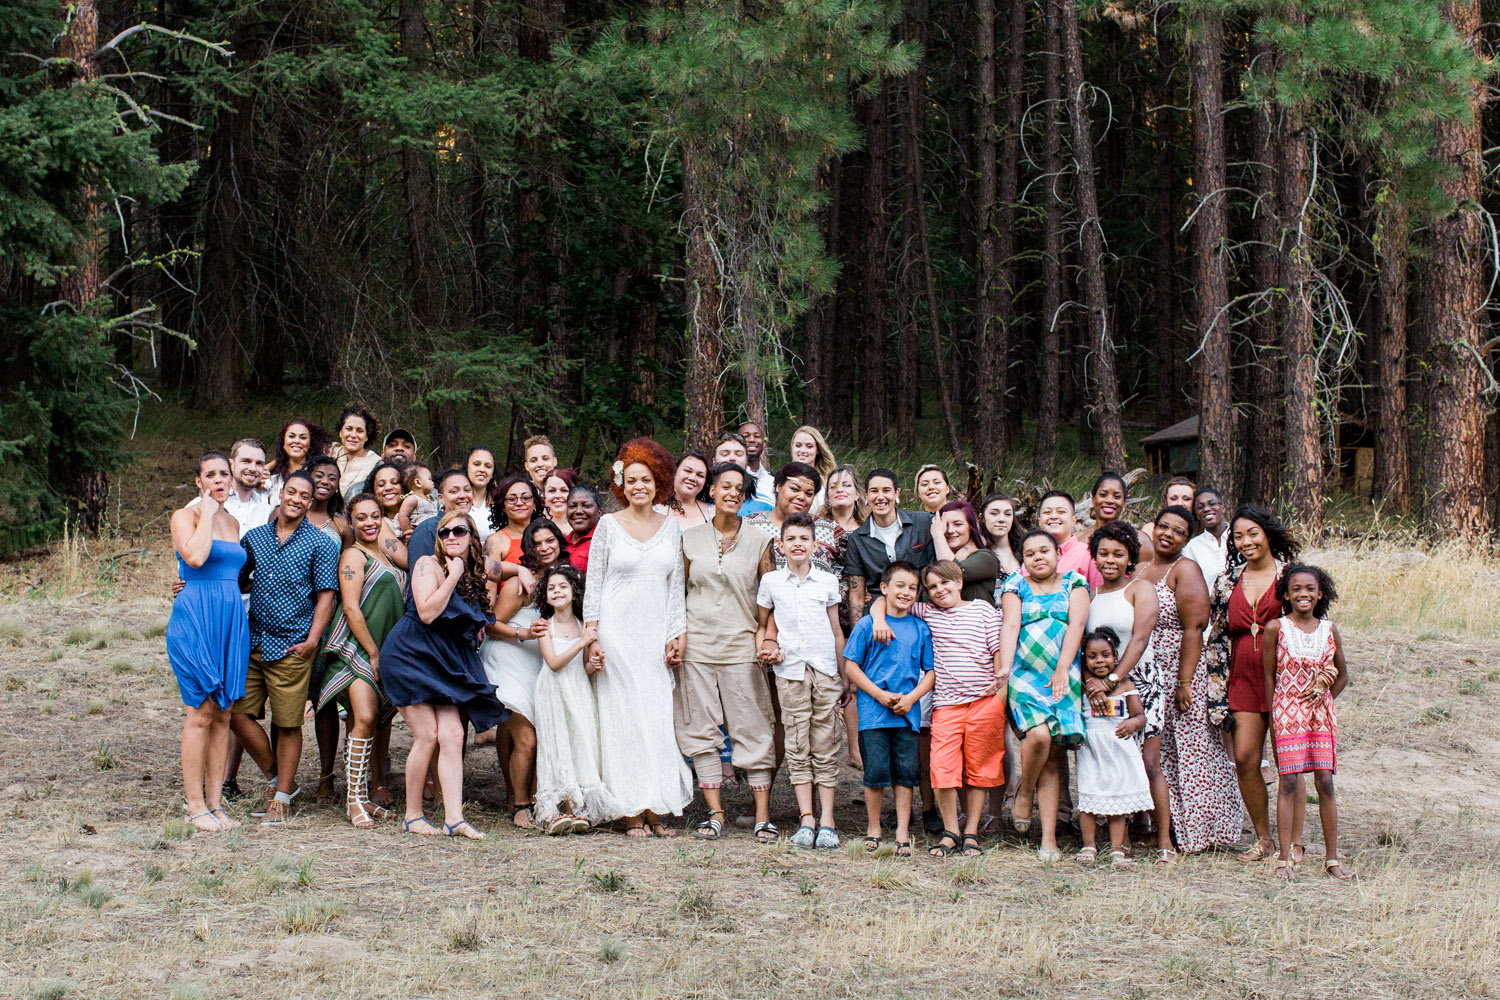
x: 890, y: 757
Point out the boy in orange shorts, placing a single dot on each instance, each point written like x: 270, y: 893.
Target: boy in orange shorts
x: 968, y: 714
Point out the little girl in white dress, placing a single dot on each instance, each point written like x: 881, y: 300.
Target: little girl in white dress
x: 570, y: 796
x: 1111, y: 774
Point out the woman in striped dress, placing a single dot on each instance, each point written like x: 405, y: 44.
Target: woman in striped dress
x: 370, y: 589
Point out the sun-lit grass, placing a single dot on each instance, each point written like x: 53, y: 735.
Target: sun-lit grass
x: 1447, y: 590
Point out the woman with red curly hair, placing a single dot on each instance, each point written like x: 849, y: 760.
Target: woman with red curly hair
x: 634, y: 598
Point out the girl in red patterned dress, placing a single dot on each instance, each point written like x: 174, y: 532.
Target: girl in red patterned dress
x: 1305, y: 671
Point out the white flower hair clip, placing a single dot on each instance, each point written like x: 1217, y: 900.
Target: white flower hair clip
x: 619, y: 468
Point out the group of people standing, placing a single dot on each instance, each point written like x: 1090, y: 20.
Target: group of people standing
x: 729, y: 621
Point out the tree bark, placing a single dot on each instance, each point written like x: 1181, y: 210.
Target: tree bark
x: 80, y: 286
x: 1105, y: 384
x: 1265, y: 457
x: 1392, y: 458
x: 991, y: 337
x: 218, y: 373
x: 1166, y: 235
x: 1210, y: 257
x: 1453, y: 291
x: 1300, y: 389
x: 1049, y: 412
x: 705, y: 385
x: 873, y: 388
x: 427, y: 298
x: 819, y: 347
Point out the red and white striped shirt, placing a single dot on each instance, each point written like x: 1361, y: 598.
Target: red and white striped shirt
x: 964, y: 642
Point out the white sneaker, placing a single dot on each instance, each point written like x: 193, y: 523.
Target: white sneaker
x: 828, y: 839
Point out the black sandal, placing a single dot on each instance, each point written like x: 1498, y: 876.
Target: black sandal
x: 872, y: 844
x: 970, y: 846
x: 516, y: 810
x: 903, y: 845
x: 942, y: 850
x: 710, y: 829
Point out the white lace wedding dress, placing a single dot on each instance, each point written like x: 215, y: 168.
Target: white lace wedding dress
x: 635, y: 591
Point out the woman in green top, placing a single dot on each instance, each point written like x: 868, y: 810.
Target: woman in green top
x: 370, y: 592
x: 956, y: 535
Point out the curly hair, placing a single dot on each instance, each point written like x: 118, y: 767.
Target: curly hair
x: 471, y: 586
x: 372, y: 426
x: 644, y: 451
x: 1325, y: 585
x: 1283, y: 545
x: 1104, y: 634
x: 528, y: 543
x: 1118, y: 531
x: 702, y: 496
x: 564, y: 569
x: 317, y: 444
x: 495, y: 498
x: 335, y: 505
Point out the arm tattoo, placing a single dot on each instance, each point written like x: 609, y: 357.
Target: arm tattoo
x: 348, y: 572
x: 390, y: 545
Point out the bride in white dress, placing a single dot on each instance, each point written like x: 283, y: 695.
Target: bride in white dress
x: 634, y: 598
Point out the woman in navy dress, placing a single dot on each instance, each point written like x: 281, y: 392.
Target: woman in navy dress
x: 208, y: 639
x: 430, y: 666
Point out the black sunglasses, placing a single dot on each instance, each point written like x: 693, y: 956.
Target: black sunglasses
x: 459, y: 532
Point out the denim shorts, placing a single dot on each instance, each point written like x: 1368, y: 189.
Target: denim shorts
x: 890, y: 757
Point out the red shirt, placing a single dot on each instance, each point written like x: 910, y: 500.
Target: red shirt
x: 578, y: 550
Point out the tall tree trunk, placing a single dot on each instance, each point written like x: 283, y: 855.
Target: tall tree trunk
x: 80, y: 286
x: 1166, y: 235
x: 1265, y: 439
x: 705, y: 385
x: 843, y: 343
x: 1105, y: 384
x: 427, y: 300
x: 819, y: 347
x: 991, y: 337
x: 1304, y: 446
x: 1392, y: 459
x: 218, y: 374
x: 1049, y: 413
x: 1453, y: 291
x: 1210, y: 257
x: 872, y: 396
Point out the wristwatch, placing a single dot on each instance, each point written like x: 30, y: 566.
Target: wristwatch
x: 1112, y: 677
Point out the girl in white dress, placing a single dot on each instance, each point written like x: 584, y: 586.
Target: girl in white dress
x: 569, y: 790
x: 1111, y: 775
x: 635, y: 600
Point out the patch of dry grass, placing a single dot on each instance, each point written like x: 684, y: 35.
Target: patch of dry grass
x: 1448, y: 590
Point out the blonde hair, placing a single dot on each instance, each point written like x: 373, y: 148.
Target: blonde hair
x: 824, y: 461
x: 861, y: 509
x: 535, y: 440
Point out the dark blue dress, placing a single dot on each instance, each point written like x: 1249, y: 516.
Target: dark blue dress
x: 208, y: 635
x: 438, y: 664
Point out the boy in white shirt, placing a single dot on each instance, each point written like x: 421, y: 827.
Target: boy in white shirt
x: 800, y: 639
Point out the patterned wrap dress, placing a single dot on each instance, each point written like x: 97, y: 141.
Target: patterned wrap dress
x: 1044, y: 623
x: 1305, y: 733
x: 1201, y: 787
x: 345, y: 662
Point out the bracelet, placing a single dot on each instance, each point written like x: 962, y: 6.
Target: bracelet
x: 770, y: 638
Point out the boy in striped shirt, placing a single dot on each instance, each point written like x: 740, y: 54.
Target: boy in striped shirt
x: 968, y: 715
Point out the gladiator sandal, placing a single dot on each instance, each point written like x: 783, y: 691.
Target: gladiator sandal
x: 356, y: 773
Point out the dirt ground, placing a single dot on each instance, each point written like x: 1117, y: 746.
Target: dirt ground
x: 111, y: 897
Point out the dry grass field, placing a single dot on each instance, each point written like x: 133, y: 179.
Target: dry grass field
x: 109, y: 896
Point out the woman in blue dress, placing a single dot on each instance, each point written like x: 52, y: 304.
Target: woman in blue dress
x: 208, y: 639
x: 431, y: 669
x: 1044, y: 614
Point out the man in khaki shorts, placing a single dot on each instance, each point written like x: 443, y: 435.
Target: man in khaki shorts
x: 291, y: 574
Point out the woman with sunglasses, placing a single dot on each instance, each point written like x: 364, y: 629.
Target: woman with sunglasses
x: 430, y: 666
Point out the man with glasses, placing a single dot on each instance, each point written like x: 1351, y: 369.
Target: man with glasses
x: 1210, y: 547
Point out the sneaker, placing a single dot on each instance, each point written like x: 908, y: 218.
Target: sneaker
x: 828, y: 839
x: 277, y: 813
x: 803, y: 837
x: 266, y: 800
x: 230, y: 791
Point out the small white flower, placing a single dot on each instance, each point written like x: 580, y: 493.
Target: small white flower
x: 619, y: 468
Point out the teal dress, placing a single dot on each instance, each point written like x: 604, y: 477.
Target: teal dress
x: 1044, y: 623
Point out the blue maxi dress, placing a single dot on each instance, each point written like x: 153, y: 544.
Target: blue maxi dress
x: 208, y: 635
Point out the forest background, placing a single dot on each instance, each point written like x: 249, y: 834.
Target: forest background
x: 972, y: 228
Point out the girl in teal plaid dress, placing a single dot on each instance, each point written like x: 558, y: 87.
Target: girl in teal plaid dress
x: 1044, y: 619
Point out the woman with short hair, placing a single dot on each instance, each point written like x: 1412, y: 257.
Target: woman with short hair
x: 208, y: 638
x: 431, y: 670
x: 356, y: 428
x: 933, y: 488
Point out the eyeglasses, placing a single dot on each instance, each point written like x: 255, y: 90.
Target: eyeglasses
x: 518, y: 500
x: 453, y: 532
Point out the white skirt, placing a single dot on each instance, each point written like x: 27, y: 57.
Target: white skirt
x: 1111, y: 774
x: 567, y: 746
x: 513, y: 667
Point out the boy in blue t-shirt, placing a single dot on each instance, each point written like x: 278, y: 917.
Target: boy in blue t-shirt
x: 891, y: 679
